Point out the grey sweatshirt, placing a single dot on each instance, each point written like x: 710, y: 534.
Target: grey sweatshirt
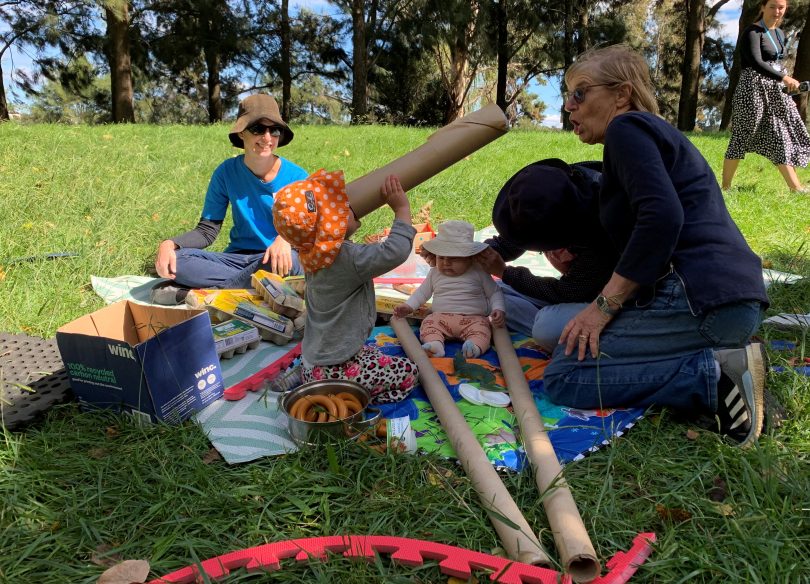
x: 341, y: 307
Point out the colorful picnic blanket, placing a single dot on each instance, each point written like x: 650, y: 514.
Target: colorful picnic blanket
x: 253, y: 427
x: 573, y: 432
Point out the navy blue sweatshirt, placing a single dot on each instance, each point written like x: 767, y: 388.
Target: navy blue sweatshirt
x: 661, y: 205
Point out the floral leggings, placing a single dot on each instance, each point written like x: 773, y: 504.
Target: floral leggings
x: 388, y: 379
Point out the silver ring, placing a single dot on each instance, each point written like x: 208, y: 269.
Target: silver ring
x: 583, y: 337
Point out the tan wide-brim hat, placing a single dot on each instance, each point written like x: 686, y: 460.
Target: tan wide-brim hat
x: 254, y: 108
x: 454, y: 239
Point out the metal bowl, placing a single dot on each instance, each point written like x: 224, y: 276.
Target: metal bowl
x: 303, y: 432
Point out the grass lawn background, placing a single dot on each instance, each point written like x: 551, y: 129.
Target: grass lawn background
x: 76, y: 487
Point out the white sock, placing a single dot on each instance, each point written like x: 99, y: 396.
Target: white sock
x: 434, y: 348
x: 470, y: 350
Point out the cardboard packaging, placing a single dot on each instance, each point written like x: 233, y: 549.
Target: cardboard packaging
x: 443, y: 148
x: 424, y: 232
x: 151, y: 362
x: 246, y: 306
x: 280, y: 295
x: 234, y: 337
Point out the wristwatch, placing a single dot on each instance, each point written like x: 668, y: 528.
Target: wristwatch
x: 603, y: 304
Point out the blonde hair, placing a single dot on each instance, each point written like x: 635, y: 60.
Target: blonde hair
x: 615, y: 65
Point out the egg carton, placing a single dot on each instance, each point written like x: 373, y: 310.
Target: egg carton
x: 277, y: 293
x: 246, y: 306
x: 234, y: 337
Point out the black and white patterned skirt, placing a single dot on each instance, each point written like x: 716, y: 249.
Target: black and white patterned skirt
x: 765, y: 121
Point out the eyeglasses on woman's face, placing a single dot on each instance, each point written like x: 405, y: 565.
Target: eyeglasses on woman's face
x: 259, y: 129
x: 578, y: 94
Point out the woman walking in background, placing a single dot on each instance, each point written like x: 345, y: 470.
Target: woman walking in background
x: 764, y: 118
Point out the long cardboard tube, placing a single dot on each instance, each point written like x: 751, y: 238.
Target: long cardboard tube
x: 570, y: 536
x: 518, y: 538
x: 443, y: 148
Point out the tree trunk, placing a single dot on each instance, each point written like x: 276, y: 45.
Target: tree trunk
x: 802, y: 69
x: 214, y: 84
x: 286, y: 48
x: 359, y: 64
x: 503, y: 54
x: 123, y: 107
x: 3, y: 103
x: 690, y: 71
x: 459, y: 59
x: 213, y: 62
x: 749, y: 12
x: 568, y: 55
x: 584, y: 37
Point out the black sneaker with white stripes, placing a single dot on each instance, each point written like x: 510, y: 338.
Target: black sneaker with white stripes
x: 740, y: 393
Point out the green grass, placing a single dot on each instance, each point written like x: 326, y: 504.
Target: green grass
x: 75, y: 483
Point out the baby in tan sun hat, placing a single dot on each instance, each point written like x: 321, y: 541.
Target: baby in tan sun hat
x: 315, y: 216
x: 465, y: 297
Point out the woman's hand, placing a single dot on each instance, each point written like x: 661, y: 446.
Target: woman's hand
x: 492, y: 262
x: 498, y: 318
x: 790, y: 83
x: 166, y: 260
x: 279, y: 256
x: 582, y: 331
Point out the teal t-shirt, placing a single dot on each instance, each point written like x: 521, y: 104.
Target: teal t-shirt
x: 251, y: 201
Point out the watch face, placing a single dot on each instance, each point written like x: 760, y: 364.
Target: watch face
x: 603, y: 305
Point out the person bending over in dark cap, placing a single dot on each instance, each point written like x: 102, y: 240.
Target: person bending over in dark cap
x: 248, y: 184
x: 550, y: 207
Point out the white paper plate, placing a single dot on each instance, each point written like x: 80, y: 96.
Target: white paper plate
x: 482, y: 397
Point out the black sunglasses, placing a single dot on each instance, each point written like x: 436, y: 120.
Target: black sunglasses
x: 579, y: 93
x: 259, y: 130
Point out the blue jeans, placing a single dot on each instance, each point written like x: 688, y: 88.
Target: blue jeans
x: 198, y: 268
x: 658, y: 354
x: 537, y: 318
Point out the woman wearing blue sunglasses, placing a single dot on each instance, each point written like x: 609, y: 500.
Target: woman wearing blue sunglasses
x: 247, y: 184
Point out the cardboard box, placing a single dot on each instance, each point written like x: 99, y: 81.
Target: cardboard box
x: 151, y: 362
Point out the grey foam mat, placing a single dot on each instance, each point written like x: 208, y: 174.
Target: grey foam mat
x: 32, y: 378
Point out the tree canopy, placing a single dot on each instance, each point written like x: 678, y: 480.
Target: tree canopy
x: 392, y: 61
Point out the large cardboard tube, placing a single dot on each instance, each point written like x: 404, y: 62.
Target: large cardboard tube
x: 570, y: 536
x: 443, y: 148
x: 518, y: 539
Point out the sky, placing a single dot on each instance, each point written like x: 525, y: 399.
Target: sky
x: 728, y: 17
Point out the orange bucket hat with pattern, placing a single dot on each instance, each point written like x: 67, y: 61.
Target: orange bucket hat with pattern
x: 312, y: 215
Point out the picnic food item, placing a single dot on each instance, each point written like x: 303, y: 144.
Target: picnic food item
x: 326, y: 411
x: 325, y: 408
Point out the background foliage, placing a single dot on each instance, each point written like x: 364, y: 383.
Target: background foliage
x: 414, y: 62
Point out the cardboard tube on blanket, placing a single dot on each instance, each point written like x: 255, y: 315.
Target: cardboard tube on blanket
x: 443, y: 148
x: 570, y: 536
x: 518, y: 538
